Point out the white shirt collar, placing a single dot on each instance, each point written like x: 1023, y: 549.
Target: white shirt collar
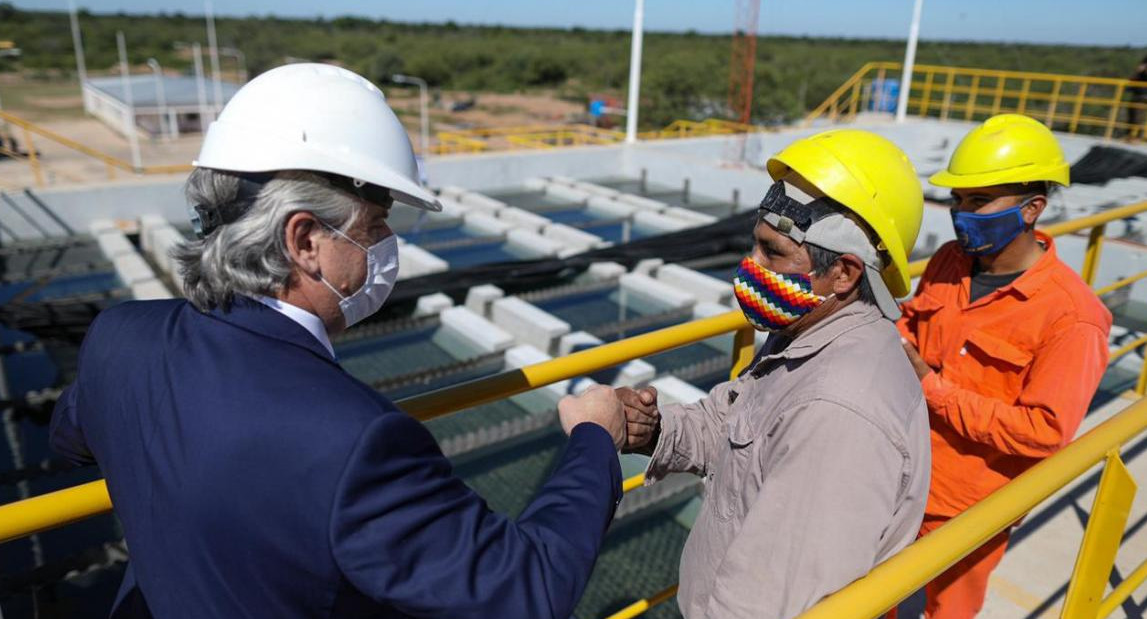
x: 313, y: 324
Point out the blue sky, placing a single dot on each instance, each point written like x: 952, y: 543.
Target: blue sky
x: 1093, y: 22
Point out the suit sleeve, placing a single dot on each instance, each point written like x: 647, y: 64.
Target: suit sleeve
x: 408, y: 533
x: 1057, y: 392
x: 66, y: 435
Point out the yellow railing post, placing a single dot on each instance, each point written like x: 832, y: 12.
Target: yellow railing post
x: 1023, y: 103
x: 1141, y: 384
x: 1113, y: 116
x: 924, y: 100
x: 744, y: 347
x: 1053, y: 104
x: 973, y: 94
x: 1091, y: 254
x: 1101, y: 541
x: 853, y: 100
x: 1001, y: 80
x: 948, y: 94
x: 1078, y: 110
x: 33, y: 157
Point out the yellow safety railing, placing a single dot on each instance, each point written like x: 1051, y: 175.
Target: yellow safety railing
x: 1071, y: 103
x: 111, y: 162
x: 48, y: 511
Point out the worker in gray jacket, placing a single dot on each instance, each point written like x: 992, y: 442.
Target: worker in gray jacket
x: 816, y: 459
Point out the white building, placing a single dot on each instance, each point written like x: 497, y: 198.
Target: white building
x: 171, y: 105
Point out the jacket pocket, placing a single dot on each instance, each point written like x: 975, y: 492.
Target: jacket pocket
x: 734, y: 471
x: 992, y: 363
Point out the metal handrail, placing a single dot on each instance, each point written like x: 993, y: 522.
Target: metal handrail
x: 29, y: 516
x: 988, y: 94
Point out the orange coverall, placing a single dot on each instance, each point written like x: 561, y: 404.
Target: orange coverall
x: 1014, y: 374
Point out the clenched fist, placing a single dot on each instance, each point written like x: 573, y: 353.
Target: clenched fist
x: 642, y: 419
x: 599, y: 405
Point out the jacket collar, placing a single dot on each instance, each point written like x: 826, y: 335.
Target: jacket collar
x: 1025, y: 285
x: 823, y: 333
x: 250, y: 315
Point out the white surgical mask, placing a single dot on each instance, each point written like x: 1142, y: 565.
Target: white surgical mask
x: 381, y: 273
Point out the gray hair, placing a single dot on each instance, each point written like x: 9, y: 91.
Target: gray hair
x: 249, y: 256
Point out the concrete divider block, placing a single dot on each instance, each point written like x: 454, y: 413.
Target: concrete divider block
x: 150, y: 289
x: 657, y: 223
x: 599, y: 271
x: 460, y: 324
x: 578, y: 340
x: 452, y: 192
x: 607, y: 208
x: 535, y: 184
x: 648, y: 266
x: 565, y: 192
x: 522, y: 355
x: 596, y: 190
x: 673, y: 390
x: 483, y: 224
x: 646, y: 204
x: 529, y: 324
x: 482, y: 202
x: 114, y: 244
x: 704, y: 287
x: 563, y: 180
x: 708, y: 309
x: 523, y: 219
x: 414, y: 261
x: 148, y: 224
x: 432, y: 304
x: 132, y: 269
x: 635, y: 373
x: 479, y: 299
x: 101, y: 226
x: 693, y: 217
x: 653, y: 291
x: 572, y: 237
x: 532, y: 245
x: 568, y: 251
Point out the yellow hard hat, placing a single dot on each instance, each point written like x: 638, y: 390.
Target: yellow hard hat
x: 871, y: 177
x: 1008, y: 148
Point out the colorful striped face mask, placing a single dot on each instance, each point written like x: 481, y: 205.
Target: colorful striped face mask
x: 772, y: 301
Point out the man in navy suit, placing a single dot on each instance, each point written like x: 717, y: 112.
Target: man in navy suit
x: 256, y: 478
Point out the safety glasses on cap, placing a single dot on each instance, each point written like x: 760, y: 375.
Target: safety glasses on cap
x: 789, y: 216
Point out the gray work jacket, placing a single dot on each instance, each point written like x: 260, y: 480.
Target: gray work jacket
x: 816, y: 464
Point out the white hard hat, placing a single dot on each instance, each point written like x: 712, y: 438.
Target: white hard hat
x: 320, y: 118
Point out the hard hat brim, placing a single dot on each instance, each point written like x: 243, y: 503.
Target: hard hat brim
x: 277, y: 154
x: 1058, y: 174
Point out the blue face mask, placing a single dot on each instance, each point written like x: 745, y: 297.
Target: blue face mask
x: 984, y: 235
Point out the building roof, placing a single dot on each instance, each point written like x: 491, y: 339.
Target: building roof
x: 179, y: 90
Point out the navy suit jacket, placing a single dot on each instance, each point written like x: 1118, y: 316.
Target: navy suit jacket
x: 256, y: 478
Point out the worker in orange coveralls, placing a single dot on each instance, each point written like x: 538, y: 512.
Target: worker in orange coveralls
x: 1008, y: 341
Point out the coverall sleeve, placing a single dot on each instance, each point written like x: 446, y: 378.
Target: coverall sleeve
x: 66, y: 435
x: 690, y: 434
x: 409, y: 534
x: 1058, y: 389
x: 829, y: 494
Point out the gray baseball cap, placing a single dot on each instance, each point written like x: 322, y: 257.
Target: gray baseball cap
x: 829, y: 225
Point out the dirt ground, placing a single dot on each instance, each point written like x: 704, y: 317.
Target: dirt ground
x: 58, y: 107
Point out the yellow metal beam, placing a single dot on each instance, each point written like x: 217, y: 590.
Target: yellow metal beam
x: 513, y: 382
x: 642, y: 606
x: 1123, y: 591
x: 55, y: 509
x: 1101, y: 540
